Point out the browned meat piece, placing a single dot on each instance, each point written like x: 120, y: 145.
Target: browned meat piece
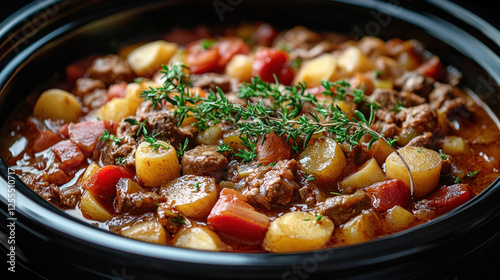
x: 440, y: 94
x: 211, y: 81
x: 341, y: 208
x: 85, y: 86
x: 112, y: 151
x: 49, y: 192
x: 133, y: 199
x: 309, y: 192
x: 111, y: 69
x: 419, y: 118
x: 415, y: 82
x: 95, y: 99
x: 57, y: 176
x: 304, y: 43
x: 424, y: 140
x: 389, y: 67
x: 456, y: 109
x: 203, y: 160
x: 270, y: 185
x: 171, y: 220
x: 384, y: 123
x: 390, y: 98
x: 70, y: 196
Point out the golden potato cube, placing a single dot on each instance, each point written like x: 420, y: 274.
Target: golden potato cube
x: 353, y: 60
x: 312, y: 72
x: 91, y: 169
x: 383, y: 84
x: 380, y: 150
x: 93, y: 209
x: 148, y: 58
x: 454, y: 145
x: 240, y: 68
x: 368, y: 174
x: 345, y: 108
x: 234, y: 141
x: 425, y: 167
x: 324, y: 159
x: 148, y: 231
x: 153, y: 167
x: 297, y: 232
x: 193, y: 196
x: 361, y: 228
x: 199, y: 238
x: 399, y: 218
x: 117, y: 109
x: 211, y: 136
x: 57, y: 104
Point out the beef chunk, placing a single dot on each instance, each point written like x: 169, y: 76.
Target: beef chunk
x: 269, y: 185
x: 133, y: 199
x: 390, y: 98
x: 112, y: 151
x: 456, y: 109
x: 304, y: 43
x: 424, y: 140
x: 343, y: 207
x: 416, y: 83
x: 49, y: 192
x: 111, y: 69
x: 70, y: 196
x: 440, y: 94
x: 57, y: 176
x: 419, y: 118
x: 210, y: 81
x: 95, y: 99
x: 168, y: 218
x: 384, y: 123
x: 203, y: 160
x: 85, y: 86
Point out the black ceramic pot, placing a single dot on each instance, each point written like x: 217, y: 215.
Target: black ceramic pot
x: 45, y: 36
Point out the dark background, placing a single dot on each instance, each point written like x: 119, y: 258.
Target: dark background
x: 483, y: 264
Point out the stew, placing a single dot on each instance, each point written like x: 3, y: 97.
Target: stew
x: 256, y: 139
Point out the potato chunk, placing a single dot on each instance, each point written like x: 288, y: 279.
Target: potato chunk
x: 298, y: 231
x: 57, y: 104
x: 148, y: 58
x: 154, y: 167
x: 240, y: 68
x: 117, y: 109
x: 425, y: 167
x: 193, y: 196
x: 93, y: 209
x: 361, y: 228
x: 211, y: 136
x: 148, y: 231
x: 369, y: 173
x: 399, y: 218
x: 454, y: 145
x: 324, y: 159
x: 315, y: 70
x: 353, y: 60
x: 199, y: 238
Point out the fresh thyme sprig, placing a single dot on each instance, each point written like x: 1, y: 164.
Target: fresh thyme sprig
x: 282, y: 112
x: 153, y: 142
x: 143, y: 129
x: 106, y: 136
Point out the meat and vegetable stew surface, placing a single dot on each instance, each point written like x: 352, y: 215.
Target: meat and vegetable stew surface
x: 252, y: 138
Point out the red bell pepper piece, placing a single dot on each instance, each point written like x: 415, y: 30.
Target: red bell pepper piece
x: 270, y: 62
x: 103, y: 182
x: 447, y: 198
x: 236, y: 220
x: 388, y: 194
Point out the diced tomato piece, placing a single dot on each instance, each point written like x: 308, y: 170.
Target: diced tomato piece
x: 86, y: 134
x: 273, y: 149
x: 45, y: 140
x: 116, y: 90
x: 270, y: 62
x: 447, y: 198
x: 236, y: 220
x: 264, y: 35
x: 69, y: 154
x: 229, y: 47
x: 200, y: 60
x: 432, y: 68
x: 388, y: 194
x: 103, y: 181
